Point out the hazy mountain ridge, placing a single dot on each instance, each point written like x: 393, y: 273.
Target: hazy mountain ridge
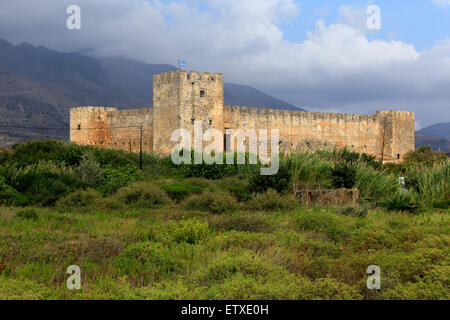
x: 437, y: 129
x: 436, y: 143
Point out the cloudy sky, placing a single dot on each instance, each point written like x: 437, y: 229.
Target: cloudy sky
x: 316, y: 54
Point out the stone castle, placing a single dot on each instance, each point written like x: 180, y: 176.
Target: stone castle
x: 181, y: 98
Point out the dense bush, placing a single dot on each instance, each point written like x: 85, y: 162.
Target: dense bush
x: 310, y: 171
x: 189, y: 230
x: 25, y: 154
x: 424, y: 155
x: 373, y: 183
x: 343, y: 175
x: 9, y: 195
x: 400, y: 201
x: 142, y: 195
x: 213, y: 202
x: 272, y: 201
x: 208, y: 171
x: 155, y: 262
x: 112, y: 179
x: 179, y: 191
x: 280, y: 182
x: 335, y: 227
x: 89, y: 170
x: 41, y: 172
x: 236, y: 186
x: 42, y: 183
x: 431, y: 182
x: 80, y: 199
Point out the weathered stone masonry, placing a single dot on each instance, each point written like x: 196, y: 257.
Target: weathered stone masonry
x: 180, y: 98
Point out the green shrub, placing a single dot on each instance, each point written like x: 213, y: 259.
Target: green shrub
x: 189, y: 230
x: 360, y: 211
x: 236, y: 186
x: 441, y: 204
x: 10, y: 196
x: 145, y: 262
x: 112, y: 179
x: 343, y: 175
x: 272, y: 201
x: 373, y: 183
x: 44, y: 182
x: 178, y: 191
x: 80, y: 199
x: 401, y: 201
x: 424, y: 155
x: 433, y: 286
x: 208, y: 171
x: 432, y: 182
x: 89, y: 170
x: 213, y: 202
x: 228, y: 264
x: 279, y: 182
x: 25, y: 154
x: 324, y: 222
x: 142, y: 195
x: 310, y: 171
x: 28, y: 214
x: 25, y: 289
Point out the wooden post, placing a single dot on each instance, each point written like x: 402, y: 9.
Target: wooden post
x: 140, y: 152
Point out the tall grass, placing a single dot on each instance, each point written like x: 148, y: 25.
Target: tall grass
x: 310, y: 171
x: 432, y: 181
x: 373, y: 183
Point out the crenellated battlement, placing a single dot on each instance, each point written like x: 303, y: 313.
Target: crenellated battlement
x: 292, y: 115
x: 183, y: 75
x: 92, y: 109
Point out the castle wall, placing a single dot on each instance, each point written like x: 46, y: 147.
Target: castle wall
x: 111, y: 128
x: 87, y: 125
x: 123, y: 130
x: 391, y: 131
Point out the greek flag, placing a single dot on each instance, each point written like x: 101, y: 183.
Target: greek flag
x: 181, y: 64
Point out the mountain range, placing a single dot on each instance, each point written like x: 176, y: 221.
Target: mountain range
x: 35, y: 80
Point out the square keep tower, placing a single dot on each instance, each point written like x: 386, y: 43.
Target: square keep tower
x: 181, y: 98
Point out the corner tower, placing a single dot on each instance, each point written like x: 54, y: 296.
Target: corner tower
x: 397, y: 136
x: 179, y: 99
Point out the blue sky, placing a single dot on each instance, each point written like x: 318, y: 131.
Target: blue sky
x: 420, y: 22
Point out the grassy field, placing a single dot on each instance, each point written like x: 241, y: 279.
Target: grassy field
x: 170, y: 253
x: 166, y: 233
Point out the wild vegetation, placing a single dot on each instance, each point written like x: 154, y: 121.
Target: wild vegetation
x: 219, y: 232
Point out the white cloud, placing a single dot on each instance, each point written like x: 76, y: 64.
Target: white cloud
x: 353, y: 16
x: 442, y: 3
x: 335, y: 68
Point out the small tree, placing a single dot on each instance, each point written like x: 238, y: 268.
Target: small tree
x: 89, y: 170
